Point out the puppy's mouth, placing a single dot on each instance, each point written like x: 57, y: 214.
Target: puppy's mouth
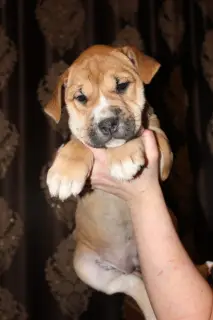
x: 112, y: 132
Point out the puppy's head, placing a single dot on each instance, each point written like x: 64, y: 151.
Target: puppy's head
x: 104, y: 94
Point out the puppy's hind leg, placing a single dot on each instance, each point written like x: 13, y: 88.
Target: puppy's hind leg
x: 133, y: 286
x: 103, y: 277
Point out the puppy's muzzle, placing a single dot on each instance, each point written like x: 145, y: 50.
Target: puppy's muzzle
x: 113, y: 129
x: 109, y: 126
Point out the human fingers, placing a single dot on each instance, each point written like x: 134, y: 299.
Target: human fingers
x: 150, y: 146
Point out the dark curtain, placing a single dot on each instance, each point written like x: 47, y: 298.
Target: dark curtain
x: 38, y: 41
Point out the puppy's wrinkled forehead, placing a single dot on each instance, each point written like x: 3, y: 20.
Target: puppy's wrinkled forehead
x: 100, y: 70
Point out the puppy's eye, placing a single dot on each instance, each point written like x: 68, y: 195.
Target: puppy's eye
x: 122, y: 87
x: 81, y: 98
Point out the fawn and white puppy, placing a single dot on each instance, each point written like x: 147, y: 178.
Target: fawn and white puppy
x: 104, y: 97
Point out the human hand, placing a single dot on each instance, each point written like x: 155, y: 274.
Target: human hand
x: 128, y: 190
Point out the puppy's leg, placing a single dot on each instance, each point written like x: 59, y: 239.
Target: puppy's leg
x: 106, y: 278
x: 127, y: 160
x: 70, y: 170
x: 166, y: 155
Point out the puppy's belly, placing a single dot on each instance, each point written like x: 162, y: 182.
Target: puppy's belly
x: 103, y: 223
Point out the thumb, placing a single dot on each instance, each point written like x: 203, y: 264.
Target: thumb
x: 150, y: 145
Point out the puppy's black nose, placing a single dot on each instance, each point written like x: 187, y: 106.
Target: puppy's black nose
x: 109, y: 126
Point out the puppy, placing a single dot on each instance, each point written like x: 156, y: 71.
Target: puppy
x: 104, y: 97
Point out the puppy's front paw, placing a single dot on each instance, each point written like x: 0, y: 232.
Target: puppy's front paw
x: 67, y: 175
x: 127, y: 160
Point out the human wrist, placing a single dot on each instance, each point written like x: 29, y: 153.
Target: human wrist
x: 146, y: 193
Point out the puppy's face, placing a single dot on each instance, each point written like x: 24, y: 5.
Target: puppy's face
x: 104, y: 95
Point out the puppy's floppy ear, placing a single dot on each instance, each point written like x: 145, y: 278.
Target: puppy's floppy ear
x: 53, y: 108
x: 147, y: 66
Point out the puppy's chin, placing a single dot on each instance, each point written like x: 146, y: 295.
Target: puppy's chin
x: 110, y: 144
x: 115, y: 143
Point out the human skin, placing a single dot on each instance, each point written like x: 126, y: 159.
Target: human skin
x: 176, y: 289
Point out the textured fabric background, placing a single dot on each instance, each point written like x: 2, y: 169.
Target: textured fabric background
x: 38, y: 40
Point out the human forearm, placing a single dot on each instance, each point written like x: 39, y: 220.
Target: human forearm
x: 175, y: 287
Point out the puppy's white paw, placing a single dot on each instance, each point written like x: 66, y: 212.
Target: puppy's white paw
x: 63, y: 187
x: 125, y: 170
x: 128, y: 168
x: 67, y: 177
x: 127, y: 160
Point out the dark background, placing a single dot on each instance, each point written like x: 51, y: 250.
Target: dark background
x: 179, y: 34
